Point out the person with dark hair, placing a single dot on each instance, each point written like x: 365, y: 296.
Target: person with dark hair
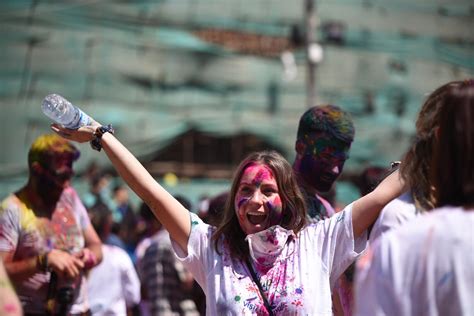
x: 324, y: 138
x: 425, y: 267
x: 113, y: 285
x: 214, y: 205
x: 264, y: 258
x: 369, y: 178
x: 166, y: 284
x: 415, y: 168
x: 46, y: 239
x: 98, y: 192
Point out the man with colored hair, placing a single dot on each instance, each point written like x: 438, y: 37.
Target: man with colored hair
x: 324, y: 137
x: 46, y: 239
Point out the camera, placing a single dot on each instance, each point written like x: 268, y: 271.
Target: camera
x: 64, y: 300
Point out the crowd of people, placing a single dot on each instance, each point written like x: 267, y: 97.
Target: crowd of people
x: 273, y: 243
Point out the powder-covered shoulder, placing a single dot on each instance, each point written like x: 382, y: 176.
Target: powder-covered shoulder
x: 341, y: 221
x: 199, y: 225
x: 10, y: 207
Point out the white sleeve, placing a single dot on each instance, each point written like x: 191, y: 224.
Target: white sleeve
x: 199, y: 247
x: 129, y: 280
x: 336, y: 243
x: 10, y: 226
x: 394, y: 214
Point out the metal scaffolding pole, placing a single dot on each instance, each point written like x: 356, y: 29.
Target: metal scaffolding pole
x: 310, y: 26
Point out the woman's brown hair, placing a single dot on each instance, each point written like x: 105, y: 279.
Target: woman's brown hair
x: 415, y: 169
x: 294, y: 208
x: 453, y: 161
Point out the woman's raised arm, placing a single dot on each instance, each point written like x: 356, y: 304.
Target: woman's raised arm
x: 173, y: 216
x: 366, y: 209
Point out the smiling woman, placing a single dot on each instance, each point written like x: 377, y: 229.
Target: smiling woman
x: 255, y: 197
x: 264, y: 258
x: 258, y: 204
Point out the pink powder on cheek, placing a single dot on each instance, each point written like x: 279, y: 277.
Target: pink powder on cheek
x: 275, y: 209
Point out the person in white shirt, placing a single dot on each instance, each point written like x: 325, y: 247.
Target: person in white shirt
x: 425, y: 267
x: 113, y: 285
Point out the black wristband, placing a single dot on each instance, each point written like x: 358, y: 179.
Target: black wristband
x: 96, y: 143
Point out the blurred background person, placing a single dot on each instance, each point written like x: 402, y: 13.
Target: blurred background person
x: 99, y: 190
x: 167, y: 287
x: 121, y: 204
x: 212, y: 215
x: 46, y: 239
x: 369, y: 178
x: 113, y: 285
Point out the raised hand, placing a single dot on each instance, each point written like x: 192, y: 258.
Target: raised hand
x: 81, y: 135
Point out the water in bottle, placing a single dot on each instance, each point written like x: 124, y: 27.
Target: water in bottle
x: 64, y: 112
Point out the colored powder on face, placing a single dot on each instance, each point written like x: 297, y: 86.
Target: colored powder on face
x: 275, y: 209
x: 242, y: 201
x: 255, y: 174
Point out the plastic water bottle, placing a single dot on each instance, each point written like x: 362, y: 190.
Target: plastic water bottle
x: 64, y: 112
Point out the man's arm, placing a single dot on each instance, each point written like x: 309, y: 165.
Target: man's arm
x: 91, y: 255
x: 59, y: 261
x: 18, y: 270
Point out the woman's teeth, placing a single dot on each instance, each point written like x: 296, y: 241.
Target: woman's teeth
x: 256, y: 218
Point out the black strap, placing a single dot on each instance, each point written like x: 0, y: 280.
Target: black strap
x: 260, y: 288
x: 52, y: 289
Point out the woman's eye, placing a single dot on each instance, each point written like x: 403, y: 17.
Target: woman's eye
x: 245, y: 190
x: 269, y: 192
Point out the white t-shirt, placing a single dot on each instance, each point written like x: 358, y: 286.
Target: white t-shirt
x: 27, y: 235
x: 113, y: 284
x: 394, y: 214
x: 296, y: 272
x: 425, y: 267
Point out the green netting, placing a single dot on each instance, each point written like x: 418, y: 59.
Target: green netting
x: 142, y: 66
